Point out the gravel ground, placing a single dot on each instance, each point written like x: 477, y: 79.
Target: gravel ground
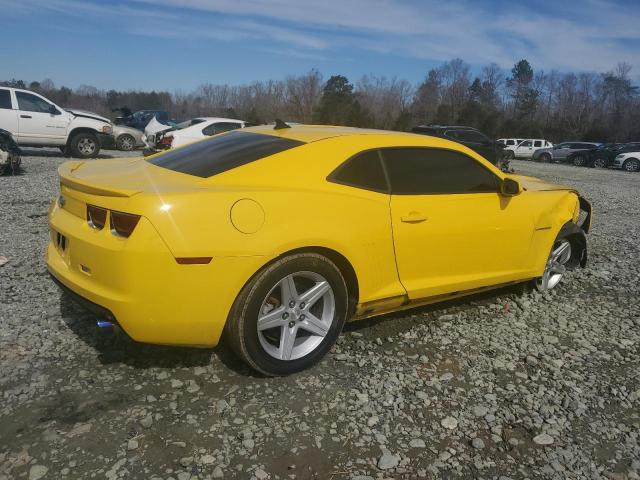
x: 502, y: 385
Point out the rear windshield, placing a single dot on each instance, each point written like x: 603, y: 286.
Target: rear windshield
x: 222, y: 152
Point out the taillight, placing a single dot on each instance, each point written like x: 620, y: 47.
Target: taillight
x: 166, y: 141
x: 123, y: 224
x: 96, y: 217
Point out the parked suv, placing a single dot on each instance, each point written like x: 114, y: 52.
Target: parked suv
x: 467, y: 136
x: 604, y: 156
x: 629, y: 161
x: 36, y: 121
x: 571, y: 152
x: 526, y: 148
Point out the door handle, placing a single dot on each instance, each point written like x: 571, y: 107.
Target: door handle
x: 413, y: 217
x: 25, y: 116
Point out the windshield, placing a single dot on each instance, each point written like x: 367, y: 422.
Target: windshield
x: 222, y: 152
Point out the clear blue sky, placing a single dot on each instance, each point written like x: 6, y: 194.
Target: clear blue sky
x: 179, y: 44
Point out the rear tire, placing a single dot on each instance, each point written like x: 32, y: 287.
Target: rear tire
x: 544, y: 158
x: 271, y: 327
x: 631, y: 165
x: 509, y: 155
x: 84, y: 145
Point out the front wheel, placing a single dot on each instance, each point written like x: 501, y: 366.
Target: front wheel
x: 556, y: 266
x: 289, y: 315
x: 84, y: 145
x: 509, y: 155
x: 600, y: 163
x: 631, y: 165
x: 126, y: 143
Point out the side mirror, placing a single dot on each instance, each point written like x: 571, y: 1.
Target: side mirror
x: 510, y: 187
x: 53, y: 110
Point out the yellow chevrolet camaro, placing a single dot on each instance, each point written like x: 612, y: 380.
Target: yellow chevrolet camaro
x: 277, y: 236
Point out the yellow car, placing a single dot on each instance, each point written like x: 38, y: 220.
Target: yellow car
x: 278, y: 235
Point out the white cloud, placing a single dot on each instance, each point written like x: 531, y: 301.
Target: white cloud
x: 576, y: 35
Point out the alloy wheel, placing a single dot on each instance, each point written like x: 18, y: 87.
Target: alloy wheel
x: 296, y: 315
x: 600, y: 163
x: 126, y: 143
x: 86, y: 146
x: 556, y: 266
x: 632, y: 165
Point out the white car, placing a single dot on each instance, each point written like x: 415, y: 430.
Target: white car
x: 198, y: 129
x: 629, y: 161
x: 526, y: 148
x: 35, y: 121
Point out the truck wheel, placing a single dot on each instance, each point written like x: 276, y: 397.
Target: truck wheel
x: 84, y: 145
x: 126, y: 143
x: 509, y: 155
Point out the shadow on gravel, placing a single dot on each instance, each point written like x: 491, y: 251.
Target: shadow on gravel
x: 37, y: 152
x: 114, y: 346
x: 399, y: 322
x: 117, y: 347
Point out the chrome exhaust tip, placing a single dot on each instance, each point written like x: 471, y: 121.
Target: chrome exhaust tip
x: 104, y: 324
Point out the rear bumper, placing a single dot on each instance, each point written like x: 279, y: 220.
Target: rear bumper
x: 138, y: 282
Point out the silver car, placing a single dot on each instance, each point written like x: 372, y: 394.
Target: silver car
x: 126, y: 138
x: 572, y: 152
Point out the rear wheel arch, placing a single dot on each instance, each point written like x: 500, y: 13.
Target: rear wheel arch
x: 343, y: 264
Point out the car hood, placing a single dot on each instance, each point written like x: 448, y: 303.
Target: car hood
x: 84, y: 113
x: 537, y: 185
x: 125, y: 129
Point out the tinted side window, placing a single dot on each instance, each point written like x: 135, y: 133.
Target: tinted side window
x: 526, y: 143
x: 510, y: 142
x: 31, y: 103
x: 221, y: 153
x: 5, y: 99
x: 416, y: 171
x: 362, y: 171
x: 537, y: 143
x: 220, y: 127
x: 468, y: 136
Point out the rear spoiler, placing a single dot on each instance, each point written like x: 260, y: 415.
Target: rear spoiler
x: 86, y: 186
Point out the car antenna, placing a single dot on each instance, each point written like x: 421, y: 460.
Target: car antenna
x: 280, y: 125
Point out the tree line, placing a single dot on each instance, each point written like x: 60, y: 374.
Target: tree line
x: 519, y: 103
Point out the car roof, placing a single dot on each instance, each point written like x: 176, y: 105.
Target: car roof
x: 312, y: 133
x: 218, y: 119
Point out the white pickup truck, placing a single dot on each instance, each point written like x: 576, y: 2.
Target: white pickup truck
x: 35, y: 121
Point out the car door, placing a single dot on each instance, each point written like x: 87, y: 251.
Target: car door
x: 561, y: 151
x: 525, y: 149
x: 39, y: 121
x: 8, y: 115
x: 452, y: 230
x: 536, y: 145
